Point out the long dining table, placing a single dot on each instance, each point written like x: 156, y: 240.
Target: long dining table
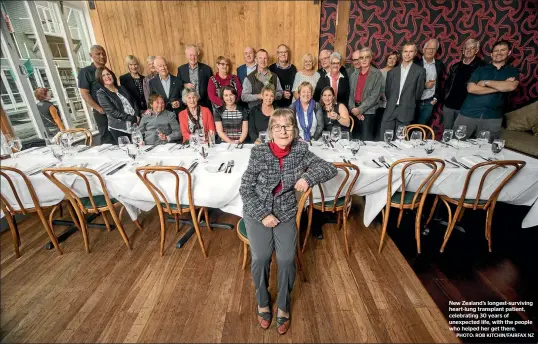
x: 213, y: 188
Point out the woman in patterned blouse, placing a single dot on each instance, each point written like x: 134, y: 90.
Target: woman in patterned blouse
x: 231, y: 120
x: 306, y: 74
x: 194, y: 117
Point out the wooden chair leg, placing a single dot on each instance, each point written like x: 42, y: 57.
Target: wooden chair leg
x: 245, y: 254
x: 105, y: 219
x: 138, y: 224
x: 432, y: 211
x: 176, y: 217
x: 162, y: 220
x: 400, y: 215
x: 418, y: 227
x: 73, y: 217
x: 14, y: 233
x: 451, y: 224
x: 61, y: 210
x: 489, y: 221
x: 120, y: 226
x: 49, y: 230
x: 206, y: 217
x: 345, y: 232
x: 339, y: 221
x: 121, y: 212
x: 307, y: 235
x: 385, y: 212
x: 83, y: 227
x: 198, y: 234
x: 300, y: 265
x: 461, y: 215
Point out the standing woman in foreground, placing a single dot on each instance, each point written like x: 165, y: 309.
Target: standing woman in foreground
x: 275, y: 170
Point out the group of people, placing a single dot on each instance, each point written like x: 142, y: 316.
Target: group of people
x: 289, y: 105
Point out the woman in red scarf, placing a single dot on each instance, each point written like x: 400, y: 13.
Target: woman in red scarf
x: 275, y: 170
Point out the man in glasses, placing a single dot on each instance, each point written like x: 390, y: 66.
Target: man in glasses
x: 286, y: 74
x: 195, y: 74
x: 435, y: 71
x: 456, y: 82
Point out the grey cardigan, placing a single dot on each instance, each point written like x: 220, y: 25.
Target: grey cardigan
x: 263, y: 175
x: 371, y: 92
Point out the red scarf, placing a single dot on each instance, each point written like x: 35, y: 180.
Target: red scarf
x: 280, y: 154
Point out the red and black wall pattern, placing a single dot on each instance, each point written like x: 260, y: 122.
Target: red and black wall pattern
x: 385, y: 25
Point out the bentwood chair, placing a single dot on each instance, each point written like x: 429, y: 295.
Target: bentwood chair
x: 488, y: 205
x: 351, y: 124
x: 88, y: 137
x: 174, y: 206
x: 91, y: 204
x: 407, y: 199
x: 340, y: 204
x: 423, y: 128
x: 242, y: 234
x: 10, y: 209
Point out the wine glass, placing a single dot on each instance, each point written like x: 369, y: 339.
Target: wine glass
x: 429, y: 146
x: 136, y: 137
x: 204, y: 152
x: 336, y: 132
x: 497, y: 147
x: 66, y: 141
x: 416, y: 138
x: 57, y: 152
x: 461, y: 132
x: 344, y: 139
x: 483, y: 138
x: 400, y: 133
x: 354, y: 145
x: 262, y: 136
x: 447, y: 136
x: 193, y: 140
x: 388, y: 136
x: 326, y: 135
x: 201, y: 136
x: 132, y: 152
x: 15, y: 145
x: 211, y: 138
x: 123, y: 141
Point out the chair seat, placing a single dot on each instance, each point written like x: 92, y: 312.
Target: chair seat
x: 471, y: 201
x: 173, y: 206
x: 339, y: 202
x: 408, y: 197
x: 99, y: 201
x: 242, y: 228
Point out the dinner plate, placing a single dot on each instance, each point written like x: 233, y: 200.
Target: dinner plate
x: 214, y: 168
x: 368, y: 163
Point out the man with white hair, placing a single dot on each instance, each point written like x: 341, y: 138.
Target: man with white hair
x: 325, y: 64
x: 435, y: 72
x: 195, y: 74
x: 456, y: 81
x: 166, y: 85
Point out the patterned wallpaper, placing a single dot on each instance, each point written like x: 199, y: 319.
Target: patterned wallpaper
x: 385, y: 25
x: 327, y: 24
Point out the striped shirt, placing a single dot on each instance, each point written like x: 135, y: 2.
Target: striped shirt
x: 232, y: 121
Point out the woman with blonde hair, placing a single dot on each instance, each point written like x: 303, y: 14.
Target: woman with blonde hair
x: 309, y: 113
x: 222, y: 78
x: 308, y: 74
x: 275, y: 170
x: 133, y: 81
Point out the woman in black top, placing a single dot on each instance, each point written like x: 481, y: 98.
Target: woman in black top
x: 259, y: 114
x: 334, y: 114
x: 134, y: 81
x: 119, y: 105
x: 49, y: 112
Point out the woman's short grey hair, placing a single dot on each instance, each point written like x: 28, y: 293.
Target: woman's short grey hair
x: 186, y: 92
x: 472, y: 41
x: 308, y: 55
x: 286, y: 113
x: 150, y: 58
x: 335, y: 55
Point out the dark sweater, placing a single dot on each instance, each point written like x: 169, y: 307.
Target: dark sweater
x: 286, y: 77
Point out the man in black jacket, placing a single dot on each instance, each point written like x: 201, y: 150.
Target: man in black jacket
x: 166, y: 85
x: 456, y: 82
x: 195, y: 74
x: 433, y: 87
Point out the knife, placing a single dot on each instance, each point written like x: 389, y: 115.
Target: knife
x: 375, y: 162
x: 150, y: 148
x: 453, y: 164
x: 331, y: 144
x: 393, y: 145
x: 193, y: 166
x: 220, y: 167
x: 116, y: 169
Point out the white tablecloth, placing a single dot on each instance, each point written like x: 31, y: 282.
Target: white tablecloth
x: 219, y: 190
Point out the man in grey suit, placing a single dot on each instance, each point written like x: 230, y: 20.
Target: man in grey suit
x: 403, y: 90
x: 365, y: 88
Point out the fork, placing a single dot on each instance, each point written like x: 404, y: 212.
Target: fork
x: 383, y: 161
x: 231, y: 165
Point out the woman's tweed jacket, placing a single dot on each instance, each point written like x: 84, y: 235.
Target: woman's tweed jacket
x: 263, y: 175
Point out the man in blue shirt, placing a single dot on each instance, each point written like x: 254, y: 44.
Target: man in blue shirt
x: 488, y: 88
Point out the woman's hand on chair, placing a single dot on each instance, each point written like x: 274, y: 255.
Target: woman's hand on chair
x: 301, y: 185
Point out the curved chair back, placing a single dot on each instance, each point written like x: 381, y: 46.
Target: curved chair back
x: 348, y: 170
x: 351, y: 124
x: 493, y: 165
x: 4, y: 173
x: 423, y: 128
x: 88, y: 137
x: 52, y: 173
x: 426, y: 184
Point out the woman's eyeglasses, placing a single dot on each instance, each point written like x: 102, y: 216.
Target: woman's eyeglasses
x: 278, y: 128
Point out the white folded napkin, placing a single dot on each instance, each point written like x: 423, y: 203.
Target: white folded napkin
x: 471, y: 160
x: 403, y: 144
x: 99, y: 149
x: 462, y: 144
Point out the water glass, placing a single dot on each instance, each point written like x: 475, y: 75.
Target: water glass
x: 461, y: 132
x: 429, y: 146
x: 204, y: 152
x: 389, y: 135
x: 193, y: 140
x: 263, y: 136
x: 128, y: 127
x: 344, y: 139
x: 416, y: 138
x: 447, y: 136
x: 123, y: 141
x: 336, y: 133
x: 354, y: 145
x: 211, y: 138
x: 201, y: 136
x: 66, y: 141
x: 15, y: 145
x: 132, y: 151
x: 483, y: 138
x: 326, y: 135
x: 497, y: 147
x: 136, y: 137
x: 57, y: 152
x: 400, y: 133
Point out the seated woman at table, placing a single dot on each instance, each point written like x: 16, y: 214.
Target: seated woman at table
x: 119, y: 105
x: 194, y: 117
x: 159, y: 126
x: 275, y: 170
x: 259, y: 115
x: 334, y: 114
x: 309, y: 113
x: 49, y: 112
x: 231, y: 120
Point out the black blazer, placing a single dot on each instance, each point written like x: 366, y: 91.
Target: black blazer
x: 204, y: 74
x: 439, y: 83
x: 343, y: 88
x: 176, y: 86
x: 113, y: 107
x: 127, y: 81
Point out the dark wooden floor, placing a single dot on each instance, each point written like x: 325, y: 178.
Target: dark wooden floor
x: 117, y: 295
x: 467, y: 271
